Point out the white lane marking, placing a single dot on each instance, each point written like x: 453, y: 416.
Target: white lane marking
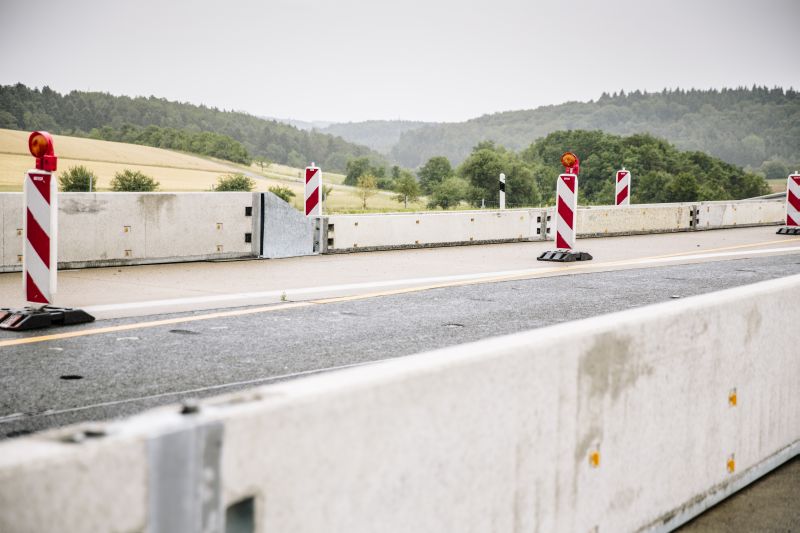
x: 50, y: 412
x: 288, y: 293
x: 716, y: 254
x: 302, y: 291
x: 127, y: 339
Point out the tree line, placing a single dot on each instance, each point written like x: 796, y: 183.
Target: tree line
x: 757, y: 128
x: 661, y: 172
x: 196, y: 142
x: 78, y: 113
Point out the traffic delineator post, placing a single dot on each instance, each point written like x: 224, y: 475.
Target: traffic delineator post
x: 313, y: 191
x: 502, y: 187
x: 566, y: 213
x: 622, y: 190
x: 40, y: 250
x: 792, y: 206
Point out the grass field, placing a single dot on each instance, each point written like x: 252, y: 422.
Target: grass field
x: 777, y: 185
x: 175, y: 171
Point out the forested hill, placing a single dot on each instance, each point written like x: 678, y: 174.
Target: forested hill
x: 380, y: 135
x: 744, y: 127
x: 78, y: 113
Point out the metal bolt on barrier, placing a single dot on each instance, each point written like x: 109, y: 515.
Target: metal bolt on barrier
x: 594, y: 459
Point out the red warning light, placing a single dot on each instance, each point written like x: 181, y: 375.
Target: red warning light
x: 571, y: 163
x: 40, y: 143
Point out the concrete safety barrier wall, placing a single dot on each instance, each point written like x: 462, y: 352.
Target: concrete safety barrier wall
x: 105, y: 229
x: 348, y: 233
x: 633, y: 421
x: 109, y: 229
x: 410, y: 230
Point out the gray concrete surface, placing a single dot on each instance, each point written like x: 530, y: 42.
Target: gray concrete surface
x: 498, y: 434
x: 770, y: 505
x: 122, y: 372
x: 286, y: 232
x: 128, y: 371
x: 241, y: 283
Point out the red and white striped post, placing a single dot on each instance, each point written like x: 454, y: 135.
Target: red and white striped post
x: 792, y: 205
x: 40, y: 228
x: 566, y: 214
x: 313, y: 191
x: 40, y: 253
x: 622, y: 193
x: 566, y: 207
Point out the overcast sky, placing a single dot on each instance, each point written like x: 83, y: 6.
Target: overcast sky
x: 435, y: 60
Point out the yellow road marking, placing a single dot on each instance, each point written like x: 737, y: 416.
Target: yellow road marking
x: 365, y: 296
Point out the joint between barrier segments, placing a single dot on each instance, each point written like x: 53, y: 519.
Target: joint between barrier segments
x: 184, y: 479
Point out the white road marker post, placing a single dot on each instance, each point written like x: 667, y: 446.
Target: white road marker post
x: 502, y: 191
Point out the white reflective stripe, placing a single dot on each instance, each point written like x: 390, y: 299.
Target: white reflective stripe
x: 38, y: 206
x: 566, y: 195
x: 313, y: 183
x: 566, y: 233
x: 38, y: 271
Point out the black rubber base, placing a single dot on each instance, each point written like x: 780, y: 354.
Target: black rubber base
x: 789, y: 230
x: 30, y: 318
x: 564, y: 256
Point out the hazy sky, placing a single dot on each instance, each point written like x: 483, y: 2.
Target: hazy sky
x: 438, y: 60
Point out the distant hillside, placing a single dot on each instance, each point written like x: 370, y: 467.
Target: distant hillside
x: 380, y: 135
x: 302, y: 124
x: 745, y: 127
x: 78, y: 113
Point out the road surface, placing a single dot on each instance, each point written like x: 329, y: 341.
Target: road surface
x: 172, y: 332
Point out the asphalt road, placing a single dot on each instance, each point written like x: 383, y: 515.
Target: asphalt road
x: 58, y: 381
x: 55, y: 382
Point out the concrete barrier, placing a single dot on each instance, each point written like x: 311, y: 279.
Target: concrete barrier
x: 636, y: 219
x: 413, y: 230
x: 349, y: 233
x: 712, y: 215
x: 634, y: 421
x: 105, y: 229
x: 109, y: 229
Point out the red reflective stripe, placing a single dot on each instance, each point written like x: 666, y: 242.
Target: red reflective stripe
x: 620, y: 175
x: 794, y: 201
x: 561, y: 242
x: 790, y: 221
x: 565, y: 213
x: 310, y: 173
x: 42, y: 185
x: 622, y: 195
x: 312, y: 201
x: 570, y: 182
x: 32, y: 292
x: 38, y: 239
